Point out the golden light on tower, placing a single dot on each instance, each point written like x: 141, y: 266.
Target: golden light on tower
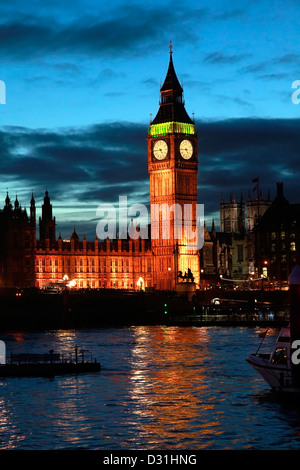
x: 173, y: 167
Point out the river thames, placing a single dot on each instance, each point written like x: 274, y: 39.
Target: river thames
x: 176, y: 388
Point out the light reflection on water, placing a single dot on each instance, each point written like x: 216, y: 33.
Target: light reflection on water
x: 166, y: 384
x: 159, y: 388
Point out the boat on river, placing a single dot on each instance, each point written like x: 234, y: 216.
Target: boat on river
x: 276, y: 367
x: 46, y: 365
x: 281, y: 367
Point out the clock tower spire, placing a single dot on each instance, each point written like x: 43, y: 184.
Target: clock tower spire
x: 173, y: 167
x: 171, y: 106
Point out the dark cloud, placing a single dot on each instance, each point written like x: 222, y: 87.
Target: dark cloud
x: 217, y: 58
x: 274, y: 76
x: 99, y: 163
x: 108, y: 158
x: 287, y: 59
x: 234, y: 99
x: 126, y: 32
x: 254, y: 68
x: 233, y: 152
x: 273, y: 67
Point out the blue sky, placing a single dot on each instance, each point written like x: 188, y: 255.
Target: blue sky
x: 82, y: 79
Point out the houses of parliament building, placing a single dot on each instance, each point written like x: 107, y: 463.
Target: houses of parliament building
x: 246, y: 244
x: 26, y: 260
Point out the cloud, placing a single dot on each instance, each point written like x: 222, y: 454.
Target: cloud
x: 233, y: 152
x: 84, y: 167
x: 287, y: 59
x: 110, y: 156
x: 273, y: 67
x: 274, y: 76
x: 234, y: 99
x: 254, y: 68
x: 125, y: 32
x: 218, y: 58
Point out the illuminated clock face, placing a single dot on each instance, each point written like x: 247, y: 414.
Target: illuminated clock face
x: 160, y: 149
x: 186, y: 149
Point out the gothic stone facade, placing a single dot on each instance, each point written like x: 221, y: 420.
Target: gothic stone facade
x: 127, y: 264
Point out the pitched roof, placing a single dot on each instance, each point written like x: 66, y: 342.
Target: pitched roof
x: 171, y: 106
x: 280, y: 215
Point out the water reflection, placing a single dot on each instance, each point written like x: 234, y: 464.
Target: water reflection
x: 162, y: 388
x: 10, y: 436
x: 168, y: 374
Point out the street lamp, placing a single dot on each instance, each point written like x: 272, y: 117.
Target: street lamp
x: 169, y: 280
x: 201, y: 278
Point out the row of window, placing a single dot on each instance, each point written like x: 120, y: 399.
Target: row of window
x: 283, y: 235
x: 283, y: 259
x: 80, y: 266
x: 283, y: 246
x: 55, y: 269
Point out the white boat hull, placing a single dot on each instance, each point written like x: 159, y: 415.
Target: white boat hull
x: 275, y: 368
x: 278, y: 377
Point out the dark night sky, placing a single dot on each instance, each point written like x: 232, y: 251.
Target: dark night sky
x: 82, y: 79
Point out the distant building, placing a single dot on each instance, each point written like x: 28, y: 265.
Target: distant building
x: 215, y: 257
x: 239, y: 221
x: 17, y: 244
x: 232, y: 215
x: 256, y: 207
x: 122, y: 263
x: 277, y: 239
x: 232, y: 221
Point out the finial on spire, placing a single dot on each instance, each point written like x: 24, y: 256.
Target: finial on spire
x: 171, y: 48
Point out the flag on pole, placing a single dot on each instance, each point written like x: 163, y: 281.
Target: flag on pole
x: 261, y: 335
x: 255, y: 180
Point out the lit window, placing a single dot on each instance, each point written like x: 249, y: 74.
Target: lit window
x: 265, y: 272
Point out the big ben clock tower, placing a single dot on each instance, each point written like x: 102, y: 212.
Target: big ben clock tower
x: 173, y: 166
